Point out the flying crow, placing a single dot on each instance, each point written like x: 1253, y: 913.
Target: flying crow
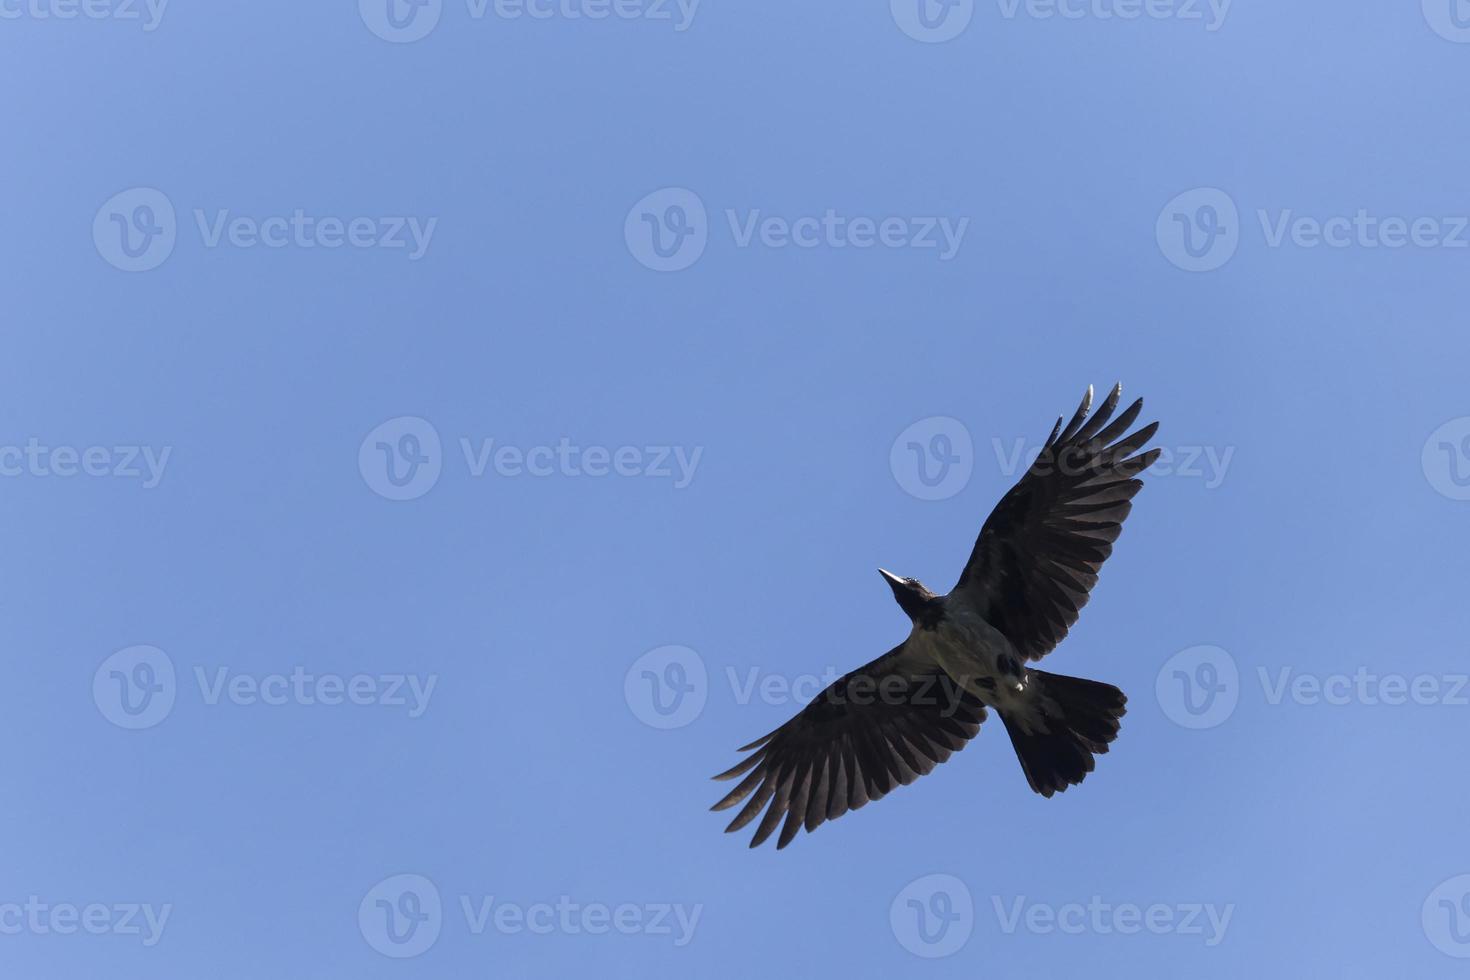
x: 895, y: 719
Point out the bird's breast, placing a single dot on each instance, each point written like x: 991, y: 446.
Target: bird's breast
x: 975, y: 654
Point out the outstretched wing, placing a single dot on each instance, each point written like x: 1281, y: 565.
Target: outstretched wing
x: 884, y: 724
x: 1039, y: 553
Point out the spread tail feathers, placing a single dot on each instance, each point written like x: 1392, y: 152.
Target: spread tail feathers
x: 1074, y: 720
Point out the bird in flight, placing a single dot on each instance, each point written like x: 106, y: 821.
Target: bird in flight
x: 895, y: 719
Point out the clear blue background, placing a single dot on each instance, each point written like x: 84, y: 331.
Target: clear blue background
x: 529, y: 777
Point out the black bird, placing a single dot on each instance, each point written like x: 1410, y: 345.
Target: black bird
x: 895, y: 719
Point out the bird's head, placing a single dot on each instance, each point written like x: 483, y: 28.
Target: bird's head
x: 912, y: 596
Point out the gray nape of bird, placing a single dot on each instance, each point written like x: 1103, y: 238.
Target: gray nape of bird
x: 1031, y: 570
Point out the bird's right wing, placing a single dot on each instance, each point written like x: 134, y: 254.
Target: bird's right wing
x: 883, y: 725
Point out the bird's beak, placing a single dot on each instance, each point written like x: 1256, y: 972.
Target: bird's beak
x: 894, y: 582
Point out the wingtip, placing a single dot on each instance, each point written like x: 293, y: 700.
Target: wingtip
x: 1056, y: 430
x: 740, y: 768
x: 756, y: 744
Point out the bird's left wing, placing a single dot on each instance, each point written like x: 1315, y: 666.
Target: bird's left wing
x: 883, y: 725
x: 1039, y: 553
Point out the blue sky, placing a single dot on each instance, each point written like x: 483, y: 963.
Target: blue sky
x: 432, y: 439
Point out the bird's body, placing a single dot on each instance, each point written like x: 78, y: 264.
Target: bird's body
x: 1031, y: 571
